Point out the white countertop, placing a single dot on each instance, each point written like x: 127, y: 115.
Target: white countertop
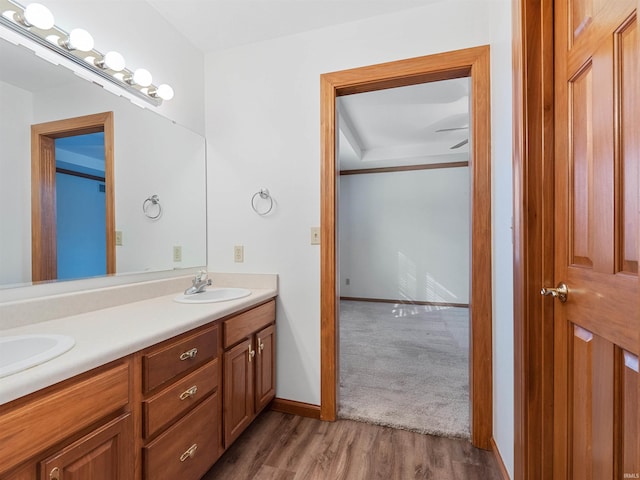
x: 105, y: 335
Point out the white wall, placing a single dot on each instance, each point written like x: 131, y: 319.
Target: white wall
x: 502, y: 208
x: 15, y: 184
x: 405, y: 235
x: 262, y: 124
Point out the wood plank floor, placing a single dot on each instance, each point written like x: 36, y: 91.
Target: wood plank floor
x: 287, y: 447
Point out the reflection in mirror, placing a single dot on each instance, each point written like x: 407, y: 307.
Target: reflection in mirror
x: 151, y: 156
x: 81, y: 221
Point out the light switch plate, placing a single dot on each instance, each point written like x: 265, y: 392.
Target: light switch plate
x: 177, y: 253
x: 118, y: 238
x: 315, y: 235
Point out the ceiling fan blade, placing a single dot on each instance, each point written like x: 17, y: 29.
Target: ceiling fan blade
x: 458, y: 145
x: 451, y: 129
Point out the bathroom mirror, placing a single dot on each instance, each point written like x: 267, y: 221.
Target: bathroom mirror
x: 153, y: 158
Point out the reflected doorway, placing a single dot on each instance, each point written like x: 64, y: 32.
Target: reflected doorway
x: 44, y: 201
x: 80, y: 206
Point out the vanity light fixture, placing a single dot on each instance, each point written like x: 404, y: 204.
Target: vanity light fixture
x: 36, y: 22
x: 163, y: 91
x: 140, y: 77
x: 78, y: 39
x: 35, y: 15
x: 111, y: 60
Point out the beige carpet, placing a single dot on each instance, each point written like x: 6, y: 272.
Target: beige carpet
x: 405, y: 366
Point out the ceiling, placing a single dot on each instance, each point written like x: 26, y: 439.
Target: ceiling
x: 221, y: 24
x: 419, y: 124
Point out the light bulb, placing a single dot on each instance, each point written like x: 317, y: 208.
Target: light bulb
x: 112, y: 60
x: 79, y: 39
x: 164, y: 91
x: 142, y: 77
x: 39, y: 16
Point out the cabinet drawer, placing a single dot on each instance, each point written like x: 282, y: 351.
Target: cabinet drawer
x: 188, y: 448
x: 173, y: 401
x: 243, y: 325
x: 47, y: 419
x: 164, y: 363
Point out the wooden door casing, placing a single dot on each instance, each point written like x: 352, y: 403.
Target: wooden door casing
x: 475, y: 63
x: 596, y: 332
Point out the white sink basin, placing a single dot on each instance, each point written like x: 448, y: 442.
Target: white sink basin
x: 211, y: 295
x: 20, y: 352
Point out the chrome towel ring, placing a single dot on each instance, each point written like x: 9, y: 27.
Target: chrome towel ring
x: 147, y: 207
x: 264, y: 194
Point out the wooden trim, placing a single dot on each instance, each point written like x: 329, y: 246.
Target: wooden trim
x: 110, y: 189
x: 405, y: 168
x: 504, y: 473
x: 533, y: 236
x: 329, y: 332
x: 473, y: 62
x: 44, y: 262
x: 406, y: 302
x: 295, y: 408
x: 43, y: 246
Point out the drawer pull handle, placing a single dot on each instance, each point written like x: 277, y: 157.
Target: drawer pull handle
x: 252, y: 353
x: 191, y: 451
x: 54, y: 474
x: 189, y: 392
x: 189, y: 354
x: 260, y: 346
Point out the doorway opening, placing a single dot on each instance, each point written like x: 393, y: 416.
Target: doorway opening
x: 80, y: 206
x: 472, y: 63
x: 404, y: 263
x: 44, y: 173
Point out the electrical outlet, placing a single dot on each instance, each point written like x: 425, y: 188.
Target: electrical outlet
x: 177, y: 253
x: 315, y: 235
x: 238, y: 254
x: 118, y: 238
x: 347, y: 281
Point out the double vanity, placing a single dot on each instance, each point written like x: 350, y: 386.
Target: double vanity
x: 153, y: 389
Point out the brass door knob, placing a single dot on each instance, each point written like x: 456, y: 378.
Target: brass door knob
x: 561, y: 292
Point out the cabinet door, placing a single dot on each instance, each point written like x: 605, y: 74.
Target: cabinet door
x: 238, y: 389
x: 104, y: 454
x: 265, y: 366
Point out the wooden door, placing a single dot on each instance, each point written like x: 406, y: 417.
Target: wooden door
x: 265, y: 366
x: 105, y: 454
x: 596, y: 332
x: 238, y: 390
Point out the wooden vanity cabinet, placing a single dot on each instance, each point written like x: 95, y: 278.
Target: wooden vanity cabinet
x: 104, y: 454
x: 181, y: 410
x: 77, y: 429
x: 249, y: 367
x: 154, y: 415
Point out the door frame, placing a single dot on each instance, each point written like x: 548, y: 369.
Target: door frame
x: 473, y: 63
x: 43, y: 189
x: 533, y: 213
